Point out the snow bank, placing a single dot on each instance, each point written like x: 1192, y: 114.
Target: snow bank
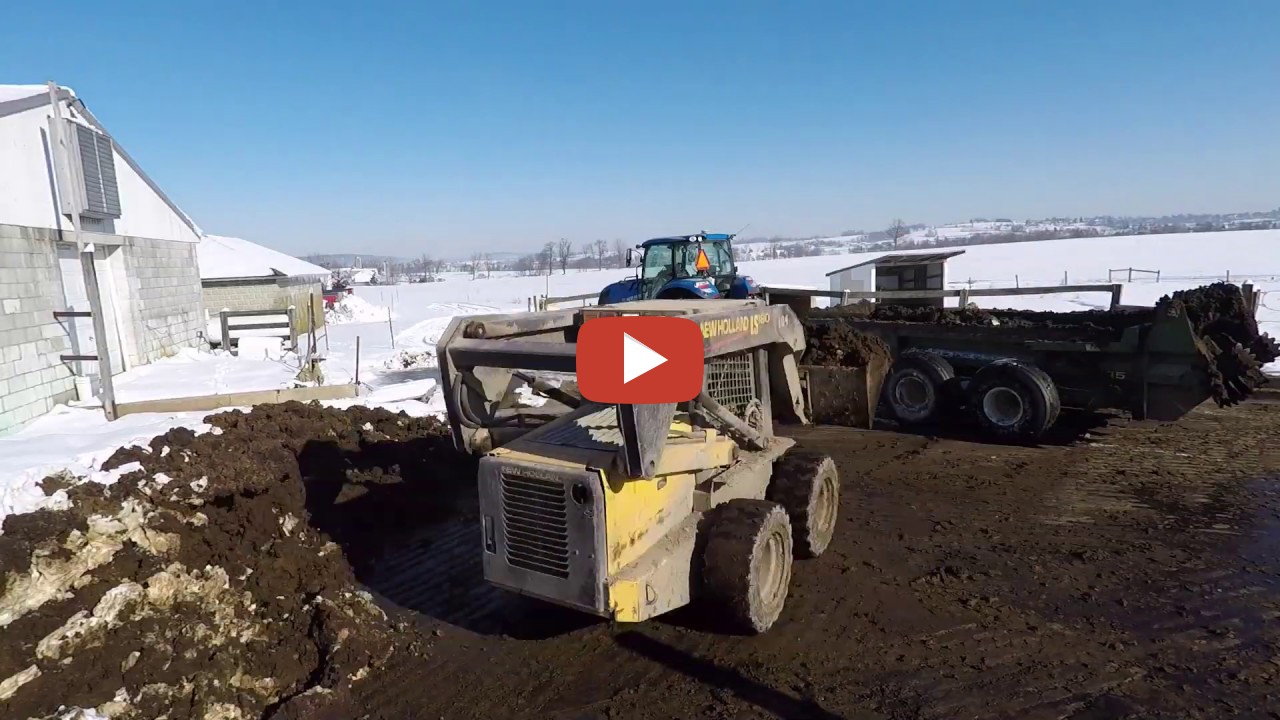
x: 355, y: 309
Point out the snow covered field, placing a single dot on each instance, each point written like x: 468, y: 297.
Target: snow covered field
x: 397, y: 362
x: 1185, y: 260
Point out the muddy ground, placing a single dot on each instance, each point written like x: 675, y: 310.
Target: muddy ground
x: 1133, y: 573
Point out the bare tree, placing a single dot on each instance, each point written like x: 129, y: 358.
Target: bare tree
x: 601, y: 248
x: 896, y: 231
x: 563, y: 250
x: 620, y: 248
x: 548, y: 256
x: 476, y: 259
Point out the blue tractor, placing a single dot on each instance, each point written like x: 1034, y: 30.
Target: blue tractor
x: 697, y: 267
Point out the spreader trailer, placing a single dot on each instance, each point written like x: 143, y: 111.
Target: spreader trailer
x: 1013, y: 371
x: 630, y: 511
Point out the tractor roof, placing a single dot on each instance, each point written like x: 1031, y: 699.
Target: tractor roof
x: 670, y: 240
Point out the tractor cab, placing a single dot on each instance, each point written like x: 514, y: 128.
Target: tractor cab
x: 684, y: 266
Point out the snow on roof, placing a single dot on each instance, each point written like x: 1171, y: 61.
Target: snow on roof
x: 902, y: 258
x: 223, y: 258
x: 18, y: 92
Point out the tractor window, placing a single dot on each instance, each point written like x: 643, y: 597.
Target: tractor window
x: 717, y: 254
x: 657, y: 261
x: 720, y: 256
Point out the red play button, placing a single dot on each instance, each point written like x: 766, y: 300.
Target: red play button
x: 639, y: 359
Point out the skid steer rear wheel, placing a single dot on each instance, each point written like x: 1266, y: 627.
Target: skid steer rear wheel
x: 805, y: 483
x: 747, y: 562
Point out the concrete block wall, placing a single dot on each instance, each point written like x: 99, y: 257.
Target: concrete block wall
x: 258, y: 295
x: 33, y: 377
x: 164, y: 297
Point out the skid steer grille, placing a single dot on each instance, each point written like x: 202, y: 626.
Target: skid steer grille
x: 730, y: 380
x: 535, y: 522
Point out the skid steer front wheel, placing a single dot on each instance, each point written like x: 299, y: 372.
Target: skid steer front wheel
x: 747, y: 562
x: 805, y: 483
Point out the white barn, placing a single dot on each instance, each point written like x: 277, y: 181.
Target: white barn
x: 58, y: 165
x: 896, y: 271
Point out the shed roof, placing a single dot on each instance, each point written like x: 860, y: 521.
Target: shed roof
x: 225, y: 258
x: 900, y: 259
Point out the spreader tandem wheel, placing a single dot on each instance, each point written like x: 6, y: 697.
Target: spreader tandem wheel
x: 1013, y: 400
x: 747, y: 562
x: 917, y: 389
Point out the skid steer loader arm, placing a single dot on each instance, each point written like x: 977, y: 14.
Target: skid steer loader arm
x: 484, y: 358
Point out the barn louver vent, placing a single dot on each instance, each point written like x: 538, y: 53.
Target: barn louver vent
x: 97, y: 162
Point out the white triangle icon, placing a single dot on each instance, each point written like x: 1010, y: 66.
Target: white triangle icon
x: 637, y: 358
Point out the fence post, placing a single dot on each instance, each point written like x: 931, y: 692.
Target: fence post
x: 964, y: 298
x: 1130, y: 274
x: 1157, y: 276
x: 1064, y: 278
x: 293, y: 332
x: 1116, y: 289
x: 226, y: 335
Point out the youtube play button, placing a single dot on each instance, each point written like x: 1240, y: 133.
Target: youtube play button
x: 639, y: 359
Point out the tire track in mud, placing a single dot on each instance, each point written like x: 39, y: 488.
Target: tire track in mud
x: 438, y: 574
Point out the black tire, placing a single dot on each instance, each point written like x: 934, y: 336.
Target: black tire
x: 920, y: 387
x: 746, y: 563
x: 1013, y: 400
x: 806, y: 484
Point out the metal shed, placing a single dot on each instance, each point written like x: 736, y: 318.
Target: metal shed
x: 897, y: 271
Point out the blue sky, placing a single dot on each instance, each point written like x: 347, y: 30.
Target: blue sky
x: 405, y: 128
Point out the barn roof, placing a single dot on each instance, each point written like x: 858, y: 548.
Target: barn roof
x: 899, y: 259
x: 225, y: 258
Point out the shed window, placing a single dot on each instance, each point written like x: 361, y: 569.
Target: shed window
x: 102, y: 195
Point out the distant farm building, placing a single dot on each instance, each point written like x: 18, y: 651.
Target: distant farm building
x: 61, y: 168
x: 360, y: 276
x: 897, y: 271
x: 239, y: 275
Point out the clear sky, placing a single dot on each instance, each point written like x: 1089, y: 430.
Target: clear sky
x: 404, y: 128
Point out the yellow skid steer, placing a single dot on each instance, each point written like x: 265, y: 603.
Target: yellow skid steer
x: 630, y: 511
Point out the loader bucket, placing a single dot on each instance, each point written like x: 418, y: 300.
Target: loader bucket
x: 845, y: 396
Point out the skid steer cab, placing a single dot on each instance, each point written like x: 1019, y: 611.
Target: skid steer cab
x: 682, y: 267
x: 630, y: 511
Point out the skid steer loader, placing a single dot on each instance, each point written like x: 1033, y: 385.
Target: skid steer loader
x: 630, y: 511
